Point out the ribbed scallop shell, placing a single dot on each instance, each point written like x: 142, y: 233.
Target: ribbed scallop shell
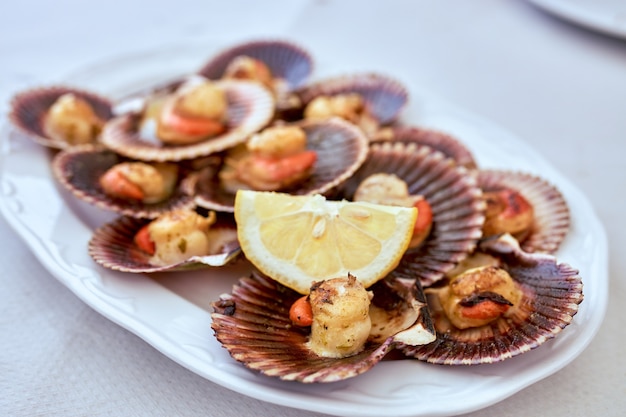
x: 253, y: 324
x: 112, y: 247
x: 453, y: 194
x: 341, y: 149
x: 384, y: 96
x: 551, y: 212
x: 285, y: 60
x: 250, y: 108
x: 552, y: 293
x: 79, y: 169
x: 442, y: 142
x: 29, y: 107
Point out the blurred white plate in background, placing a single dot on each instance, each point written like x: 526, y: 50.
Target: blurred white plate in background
x: 607, y: 16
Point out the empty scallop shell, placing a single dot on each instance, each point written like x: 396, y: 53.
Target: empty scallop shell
x: 29, y: 108
x: 285, y: 60
x: 453, y: 194
x: 341, y: 149
x: 79, y: 169
x: 253, y: 324
x: 384, y: 96
x: 250, y: 108
x: 551, y: 212
x: 443, y: 142
x: 112, y: 247
x: 552, y: 292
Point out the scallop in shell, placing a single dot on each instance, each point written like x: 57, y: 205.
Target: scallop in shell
x: 341, y: 149
x: 112, y: 246
x: 440, y: 141
x: 253, y: 324
x: 250, y: 108
x: 29, y: 110
x: 551, y: 220
x: 551, y: 294
x: 79, y: 170
x: 453, y: 194
x: 384, y: 97
x: 285, y: 60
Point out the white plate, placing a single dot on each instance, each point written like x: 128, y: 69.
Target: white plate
x: 172, y: 313
x: 607, y: 16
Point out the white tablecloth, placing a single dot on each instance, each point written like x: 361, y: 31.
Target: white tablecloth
x: 559, y: 87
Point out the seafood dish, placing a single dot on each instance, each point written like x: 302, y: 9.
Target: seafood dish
x: 526, y: 206
x: 323, y: 155
x: 365, y: 237
x: 177, y: 126
x: 501, y: 304
x: 180, y: 239
x: 286, y: 352
x: 112, y: 182
x: 369, y: 100
x: 60, y: 117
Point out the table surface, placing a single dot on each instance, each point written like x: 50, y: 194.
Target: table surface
x: 558, y: 86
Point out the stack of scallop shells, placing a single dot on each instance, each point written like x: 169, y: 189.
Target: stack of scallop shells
x: 433, y: 164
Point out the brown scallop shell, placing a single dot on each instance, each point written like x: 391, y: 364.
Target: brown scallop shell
x: 79, y: 169
x: 285, y: 60
x: 112, y: 247
x: 384, y: 96
x: 253, y: 324
x: 442, y: 142
x: 453, y: 194
x: 341, y: 149
x: 250, y: 108
x: 551, y: 212
x: 552, y: 292
x: 29, y: 108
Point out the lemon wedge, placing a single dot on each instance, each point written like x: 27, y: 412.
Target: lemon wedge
x: 298, y: 240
